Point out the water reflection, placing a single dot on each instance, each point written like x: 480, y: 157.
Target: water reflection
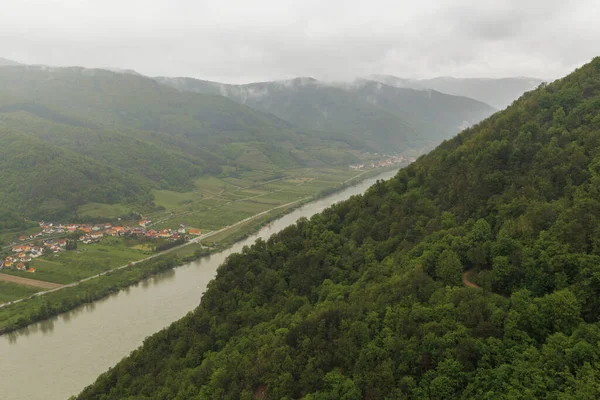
x: 47, y: 326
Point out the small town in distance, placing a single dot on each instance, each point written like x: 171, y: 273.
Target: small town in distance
x: 60, y: 237
x: 386, y: 161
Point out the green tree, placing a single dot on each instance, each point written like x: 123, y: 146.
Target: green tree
x: 449, y: 268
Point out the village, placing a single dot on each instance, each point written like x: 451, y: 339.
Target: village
x: 38, y: 244
x: 388, y: 161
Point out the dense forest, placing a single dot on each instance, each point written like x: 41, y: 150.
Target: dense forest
x: 365, y: 300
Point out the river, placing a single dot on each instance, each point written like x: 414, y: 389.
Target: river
x: 57, y: 358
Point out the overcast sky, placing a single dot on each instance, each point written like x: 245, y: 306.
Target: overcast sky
x: 243, y: 41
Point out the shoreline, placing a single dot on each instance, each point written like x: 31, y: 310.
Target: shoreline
x: 49, y: 303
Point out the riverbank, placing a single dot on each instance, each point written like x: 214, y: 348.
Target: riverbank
x: 43, y: 305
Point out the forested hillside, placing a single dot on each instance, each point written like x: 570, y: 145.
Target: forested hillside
x: 365, y: 300
x: 117, y: 135
x: 45, y: 181
x: 389, y: 118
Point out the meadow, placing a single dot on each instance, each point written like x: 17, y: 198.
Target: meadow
x: 11, y: 291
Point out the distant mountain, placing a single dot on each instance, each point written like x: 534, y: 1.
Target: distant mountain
x: 110, y: 129
x: 5, y: 63
x: 397, y: 82
x: 497, y: 92
x: 122, y: 71
x: 388, y: 117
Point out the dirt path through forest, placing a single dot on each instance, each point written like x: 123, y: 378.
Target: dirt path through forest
x: 467, y: 282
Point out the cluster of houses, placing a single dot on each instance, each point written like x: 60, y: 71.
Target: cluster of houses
x: 387, y: 162
x: 23, y: 254
x: 93, y: 233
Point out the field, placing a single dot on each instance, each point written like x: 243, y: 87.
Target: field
x: 103, y: 210
x: 219, y: 202
x: 11, y: 291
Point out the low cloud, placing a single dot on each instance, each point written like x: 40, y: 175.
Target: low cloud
x: 235, y: 41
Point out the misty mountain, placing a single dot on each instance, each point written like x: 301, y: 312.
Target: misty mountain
x: 107, y: 129
x: 388, y: 117
x: 5, y: 62
x: 497, y: 92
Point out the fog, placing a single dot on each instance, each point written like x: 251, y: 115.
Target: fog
x: 240, y: 41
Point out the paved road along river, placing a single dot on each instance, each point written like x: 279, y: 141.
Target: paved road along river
x: 57, y: 358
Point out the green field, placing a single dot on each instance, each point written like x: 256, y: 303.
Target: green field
x: 11, y: 291
x: 101, y: 210
x: 219, y: 202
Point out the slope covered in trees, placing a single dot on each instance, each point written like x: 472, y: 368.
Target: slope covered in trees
x: 389, y: 118
x: 365, y: 300
x: 42, y: 180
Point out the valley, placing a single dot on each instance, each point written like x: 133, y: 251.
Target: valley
x: 277, y: 200
x: 223, y: 210
x: 112, y: 180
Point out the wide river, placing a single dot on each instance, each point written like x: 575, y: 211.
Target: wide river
x: 57, y: 358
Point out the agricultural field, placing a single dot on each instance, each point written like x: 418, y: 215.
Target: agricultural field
x: 219, y: 202
x: 101, y: 210
x: 12, y: 291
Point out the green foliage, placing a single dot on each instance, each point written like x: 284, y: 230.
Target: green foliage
x: 449, y: 268
x: 364, y: 301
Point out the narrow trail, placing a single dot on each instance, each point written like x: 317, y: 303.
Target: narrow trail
x: 467, y: 282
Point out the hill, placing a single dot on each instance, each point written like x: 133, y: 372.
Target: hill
x: 499, y: 93
x: 43, y: 180
x: 5, y: 62
x: 389, y: 118
x: 366, y: 300
x: 141, y: 129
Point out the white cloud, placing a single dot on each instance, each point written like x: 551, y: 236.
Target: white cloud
x: 238, y: 41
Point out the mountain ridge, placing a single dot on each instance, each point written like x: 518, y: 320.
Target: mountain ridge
x: 4, y: 62
x: 498, y: 92
x: 353, y: 107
